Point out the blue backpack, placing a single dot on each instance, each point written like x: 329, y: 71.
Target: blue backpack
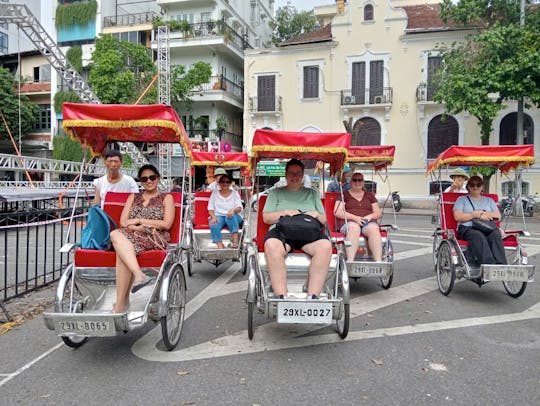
x: 96, y: 234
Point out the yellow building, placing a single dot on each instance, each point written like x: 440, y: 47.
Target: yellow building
x: 371, y: 64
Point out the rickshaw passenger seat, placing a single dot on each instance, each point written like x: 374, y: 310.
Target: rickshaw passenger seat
x: 448, y: 221
x: 113, y: 206
x: 200, y: 211
x: 262, y: 227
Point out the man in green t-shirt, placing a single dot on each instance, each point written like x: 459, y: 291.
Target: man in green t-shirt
x: 288, y: 201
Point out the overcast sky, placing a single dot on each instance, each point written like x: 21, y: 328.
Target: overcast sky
x: 303, y: 4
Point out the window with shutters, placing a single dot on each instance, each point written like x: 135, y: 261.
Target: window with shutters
x: 358, y: 85
x: 369, y: 81
x: 311, y: 82
x: 266, y: 93
x: 508, y: 129
x: 376, y: 82
x: 434, y: 65
x: 441, y: 135
x: 368, y: 12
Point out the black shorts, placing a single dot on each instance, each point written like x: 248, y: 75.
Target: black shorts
x: 295, y: 245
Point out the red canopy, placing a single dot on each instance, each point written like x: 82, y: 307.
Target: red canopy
x: 504, y: 157
x: 326, y: 147
x: 380, y: 156
x: 94, y: 125
x: 230, y: 159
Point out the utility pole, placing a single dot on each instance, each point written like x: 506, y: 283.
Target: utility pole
x: 519, y: 120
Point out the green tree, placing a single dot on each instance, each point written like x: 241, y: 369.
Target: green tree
x: 184, y: 82
x: 481, y: 13
x: 289, y: 22
x: 66, y: 149
x: 10, y: 107
x: 121, y: 71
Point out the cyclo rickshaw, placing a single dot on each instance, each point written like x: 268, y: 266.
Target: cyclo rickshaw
x: 448, y: 251
x: 375, y: 159
x: 198, y: 240
x: 87, y: 288
x: 333, y: 304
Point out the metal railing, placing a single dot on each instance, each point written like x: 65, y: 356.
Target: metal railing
x: 219, y: 82
x: 30, y: 241
x: 213, y: 29
x: 367, y: 96
x: 265, y: 104
x: 426, y: 93
x: 129, y: 19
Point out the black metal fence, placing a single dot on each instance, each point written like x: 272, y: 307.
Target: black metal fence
x: 30, y: 241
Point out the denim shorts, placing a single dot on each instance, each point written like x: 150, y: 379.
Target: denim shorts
x: 343, y: 228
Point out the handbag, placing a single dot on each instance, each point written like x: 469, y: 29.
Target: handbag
x: 485, y: 226
x: 300, y: 227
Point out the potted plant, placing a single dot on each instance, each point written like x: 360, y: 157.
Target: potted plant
x: 185, y: 27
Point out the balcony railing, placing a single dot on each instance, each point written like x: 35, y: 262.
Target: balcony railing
x: 212, y: 29
x: 266, y: 104
x: 426, y: 93
x: 236, y: 140
x: 219, y: 82
x: 129, y: 19
x: 366, y: 97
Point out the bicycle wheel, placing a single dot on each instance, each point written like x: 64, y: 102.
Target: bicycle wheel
x: 386, y: 281
x: 172, y: 322
x: 71, y: 303
x: 446, y: 270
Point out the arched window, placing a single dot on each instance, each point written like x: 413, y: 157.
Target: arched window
x: 366, y: 131
x: 508, y: 129
x: 368, y: 12
x: 441, y: 135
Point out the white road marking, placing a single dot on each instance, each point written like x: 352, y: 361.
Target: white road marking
x: 279, y: 337
x: 19, y: 371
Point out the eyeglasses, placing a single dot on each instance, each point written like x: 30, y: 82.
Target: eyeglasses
x: 225, y: 182
x: 144, y: 179
x: 473, y: 184
x: 357, y: 179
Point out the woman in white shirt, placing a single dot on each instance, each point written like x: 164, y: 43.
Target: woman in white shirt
x: 224, y: 207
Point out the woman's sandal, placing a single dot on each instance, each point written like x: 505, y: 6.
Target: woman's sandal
x: 233, y: 245
x: 135, y: 288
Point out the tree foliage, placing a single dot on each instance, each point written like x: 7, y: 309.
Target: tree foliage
x: 66, y: 149
x: 184, y: 82
x: 504, y: 58
x: 10, y: 107
x: 120, y: 71
x: 289, y: 22
x: 482, y: 13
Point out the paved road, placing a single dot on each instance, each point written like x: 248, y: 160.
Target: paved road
x: 407, y: 345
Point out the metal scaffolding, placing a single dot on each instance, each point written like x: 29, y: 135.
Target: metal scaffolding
x: 20, y: 15
x: 164, y: 95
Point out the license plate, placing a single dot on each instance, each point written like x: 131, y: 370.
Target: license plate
x: 368, y: 270
x: 304, y: 312
x: 83, y: 327
x: 506, y: 274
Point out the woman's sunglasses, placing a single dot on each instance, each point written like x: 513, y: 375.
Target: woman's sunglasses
x: 224, y: 182
x: 357, y: 179
x: 474, y: 184
x: 144, y: 179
